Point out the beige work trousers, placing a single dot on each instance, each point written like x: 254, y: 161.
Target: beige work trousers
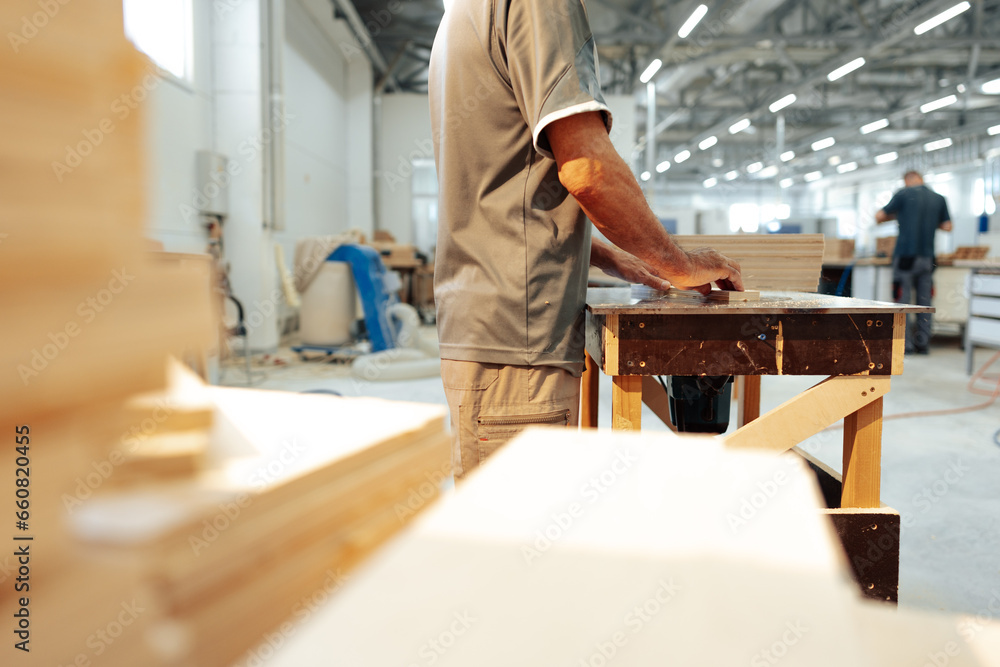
x: 492, y: 403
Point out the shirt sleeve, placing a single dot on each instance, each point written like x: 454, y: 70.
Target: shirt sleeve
x: 552, y: 64
x: 894, y: 204
x: 945, y: 214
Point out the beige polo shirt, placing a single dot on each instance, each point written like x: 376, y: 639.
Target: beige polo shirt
x: 513, y: 245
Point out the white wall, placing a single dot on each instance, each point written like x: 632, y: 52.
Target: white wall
x: 316, y: 159
x: 178, y: 124
x: 328, y: 142
x: 623, y: 125
x: 404, y: 135
x: 327, y: 135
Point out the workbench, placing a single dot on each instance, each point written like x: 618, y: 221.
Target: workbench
x: 857, y: 344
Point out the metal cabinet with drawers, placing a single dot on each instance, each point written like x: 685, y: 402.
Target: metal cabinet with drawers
x: 984, y: 314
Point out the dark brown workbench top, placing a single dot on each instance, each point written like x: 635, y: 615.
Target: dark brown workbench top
x: 644, y: 301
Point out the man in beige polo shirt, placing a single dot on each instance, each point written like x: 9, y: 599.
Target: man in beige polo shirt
x: 520, y: 133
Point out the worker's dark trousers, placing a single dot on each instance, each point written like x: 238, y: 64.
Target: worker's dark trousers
x: 917, y: 276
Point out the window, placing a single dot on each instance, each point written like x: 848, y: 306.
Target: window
x: 424, y: 209
x: 162, y: 29
x: 744, y: 217
x: 749, y: 217
x: 981, y: 202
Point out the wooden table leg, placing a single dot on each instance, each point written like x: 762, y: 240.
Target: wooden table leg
x: 589, y: 393
x: 626, y: 402
x: 863, y: 456
x: 748, y: 399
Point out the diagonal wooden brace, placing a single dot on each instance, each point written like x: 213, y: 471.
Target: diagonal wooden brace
x: 857, y: 399
x: 810, y: 412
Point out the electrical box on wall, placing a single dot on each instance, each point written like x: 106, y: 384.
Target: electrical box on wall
x: 212, y: 184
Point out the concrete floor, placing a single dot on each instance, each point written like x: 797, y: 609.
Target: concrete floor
x: 942, y: 473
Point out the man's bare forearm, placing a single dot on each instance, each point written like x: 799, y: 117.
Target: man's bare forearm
x: 601, y: 254
x: 615, y: 204
x: 597, y: 177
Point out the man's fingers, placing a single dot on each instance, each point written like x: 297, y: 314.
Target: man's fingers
x: 735, y: 277
x: 652, y: 280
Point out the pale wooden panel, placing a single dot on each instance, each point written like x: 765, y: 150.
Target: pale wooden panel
x: 768, y: 261
x: 295, y: 486
x: 120, y: 343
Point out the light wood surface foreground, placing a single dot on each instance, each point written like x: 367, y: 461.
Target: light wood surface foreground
x: 618, y: 549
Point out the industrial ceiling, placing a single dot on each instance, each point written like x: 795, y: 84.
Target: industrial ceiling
x: 747, y: 57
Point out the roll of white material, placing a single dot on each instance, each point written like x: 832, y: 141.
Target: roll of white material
x: 328, y: 306
x: 407, y: 321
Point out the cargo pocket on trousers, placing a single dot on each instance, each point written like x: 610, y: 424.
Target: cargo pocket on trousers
x: 495, y: 431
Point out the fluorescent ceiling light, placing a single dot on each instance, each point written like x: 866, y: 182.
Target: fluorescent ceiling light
x: 782, y: 103
x: 645, y: 175
x: 663, y: 166
x: 733, y: 175
x: 938, y: 104
x: 823, y: 143
x: 937, y: 145
x: 755, y: 167
x: 992, y: 87
x: 875, y: 126
x: 946, y: 15
x: 768, y: 172
x: 683, y: 155
x: 993, y: 130
x: 708, y: 143
x: 813, y: 176
x: 653, y: 68
x: 787, y: 155
x: 739, y: 126
x: 886, y: 157
x: 787, y: 182
x: 844, y: 70
x: 846, y: 167
x: 834, y: 160
x: 711, y: 182
x: 696, y: 16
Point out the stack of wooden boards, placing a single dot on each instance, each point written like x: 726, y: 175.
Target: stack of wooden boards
x: 89, y: 318
x: 964, y: 252
x: 297, y: 490
x: 397, y: 256
x: 145, y: 472
x: 838, y: 249
x: 628, y: 550
x: 782, y: 262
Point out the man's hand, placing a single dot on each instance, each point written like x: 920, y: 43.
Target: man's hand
x: 705, y: 267
x: 881, y: 216
x: 621, y: 264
